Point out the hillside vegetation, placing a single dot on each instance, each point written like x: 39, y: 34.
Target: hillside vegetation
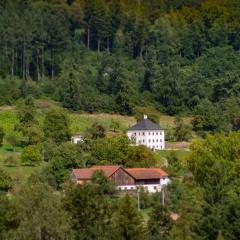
x: 97, y: 66
x: 179, y: 57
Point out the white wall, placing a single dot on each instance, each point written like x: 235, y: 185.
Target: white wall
x: 154, y: 139
x: 76, y: 139
x: 152, y: 188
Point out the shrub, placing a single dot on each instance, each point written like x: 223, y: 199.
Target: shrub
x: 6, y: 182
x: 31, y: 155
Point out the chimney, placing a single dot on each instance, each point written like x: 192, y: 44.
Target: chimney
x: 145, y: 116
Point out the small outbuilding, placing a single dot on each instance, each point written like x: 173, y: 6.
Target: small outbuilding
x: 77, y: 139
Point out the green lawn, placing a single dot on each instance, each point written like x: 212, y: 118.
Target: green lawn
x: 17, y: 171
x: 161, y: 155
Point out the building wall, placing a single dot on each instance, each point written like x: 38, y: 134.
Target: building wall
x: 154, y: 139
x: 121, y: 177
x: 152, y: 188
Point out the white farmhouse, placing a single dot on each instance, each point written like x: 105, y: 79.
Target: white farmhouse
x: 147, y: 133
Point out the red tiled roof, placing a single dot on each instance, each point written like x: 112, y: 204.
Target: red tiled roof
x: 137, y: 173
x: 146, y: 173
x: 86, y: 173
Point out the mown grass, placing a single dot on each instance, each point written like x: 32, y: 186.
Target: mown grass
x: 162, y: 155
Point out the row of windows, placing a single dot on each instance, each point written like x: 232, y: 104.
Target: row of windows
x: 156, y: 147
x: 132, y: 188
x: 143, y: 133
x: 149, y: 140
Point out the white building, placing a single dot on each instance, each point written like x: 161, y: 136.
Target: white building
x: 77, y: 139
x: 147, y: 133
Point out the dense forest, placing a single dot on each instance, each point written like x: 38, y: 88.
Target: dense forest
x: 178, y: 56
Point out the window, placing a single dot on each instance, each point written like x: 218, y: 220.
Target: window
x: 149, y: 133
x: 160, y: 133
x: 143, y: 133
x: 153, y: 133
x: 155, y: 187
x: 156, y: 140
x: 125, y: 188
x: 153, y: 140
x: 139, y: 133
x: 160, y: 140
x: 156, y: 133
x: 149, y: 140
x: 143, y: 141
x: 132, y: 188
x: 139, y: 142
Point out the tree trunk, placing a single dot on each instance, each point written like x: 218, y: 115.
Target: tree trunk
x: 23, y: 62
x: 141, y: 52
x: 99, y: 44
x: 27, y: 69
x: 13, y: 61
x: 88, y: 37
x: 42, y: 62
x: 16, y: 61
x: 108, y: 47
x: 52, y: 70
x: 37, y: 67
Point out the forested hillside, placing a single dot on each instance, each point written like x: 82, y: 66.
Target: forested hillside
x: 177, y: 56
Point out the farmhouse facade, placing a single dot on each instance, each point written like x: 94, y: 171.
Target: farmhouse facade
x: 147, y: 133
x: 151, y: 179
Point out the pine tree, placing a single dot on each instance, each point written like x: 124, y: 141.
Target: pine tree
x: 127, y: 223
x: 160, y: 222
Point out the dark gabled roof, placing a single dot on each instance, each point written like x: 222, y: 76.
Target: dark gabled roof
x: 145, y: 124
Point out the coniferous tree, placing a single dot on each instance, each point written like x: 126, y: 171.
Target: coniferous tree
x: 127, y: 222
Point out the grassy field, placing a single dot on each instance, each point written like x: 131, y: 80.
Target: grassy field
x: 163, y: 154
x: 80, y: 121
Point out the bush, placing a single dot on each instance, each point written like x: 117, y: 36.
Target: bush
x: 140, y: 156
x: 31, y: 155
x: 182, y: 130
x: 6, y: 182
x: 13, y: 140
